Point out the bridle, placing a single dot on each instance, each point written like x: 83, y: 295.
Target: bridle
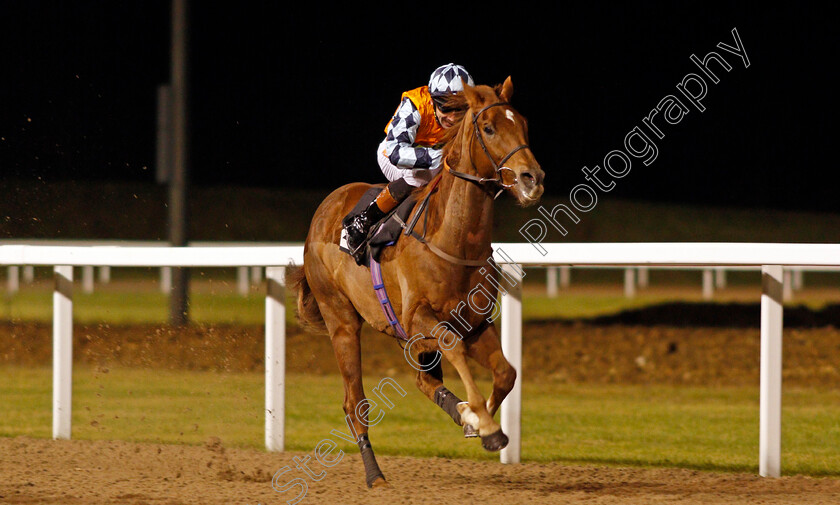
x: 480, y: 181
x: 497, y: 181
x: 421, y: 210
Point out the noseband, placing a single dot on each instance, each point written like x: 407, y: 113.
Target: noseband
x: 498, y: 167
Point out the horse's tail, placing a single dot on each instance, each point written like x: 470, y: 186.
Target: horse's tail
x: 308, y: 313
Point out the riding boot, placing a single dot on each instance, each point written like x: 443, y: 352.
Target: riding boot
x: 387, y: 200
x: 359, y: 227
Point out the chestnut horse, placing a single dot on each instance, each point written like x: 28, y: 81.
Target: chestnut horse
x: 485, y: 152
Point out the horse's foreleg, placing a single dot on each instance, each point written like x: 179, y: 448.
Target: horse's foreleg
x: 490, y: 432
x: 487, y: 352
x: 430, y: 383
x: 454, y: 351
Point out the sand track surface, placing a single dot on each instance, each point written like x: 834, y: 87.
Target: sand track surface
x: 681, y: 352
x: 104, y: 472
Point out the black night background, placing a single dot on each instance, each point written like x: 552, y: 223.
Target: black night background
x: 297, y: 97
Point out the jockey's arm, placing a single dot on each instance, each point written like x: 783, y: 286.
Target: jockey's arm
x: 399, y: 146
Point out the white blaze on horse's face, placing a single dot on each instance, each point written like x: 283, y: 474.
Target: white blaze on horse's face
x: 528, y: 187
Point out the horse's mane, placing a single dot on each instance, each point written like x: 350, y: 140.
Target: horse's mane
x: 458, y: 102
x: 450, y: 154
x: 421, y: 192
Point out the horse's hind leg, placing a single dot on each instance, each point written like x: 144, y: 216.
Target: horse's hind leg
x: 344, y: 326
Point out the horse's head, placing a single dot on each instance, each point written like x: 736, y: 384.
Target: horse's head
x: 498, y: 146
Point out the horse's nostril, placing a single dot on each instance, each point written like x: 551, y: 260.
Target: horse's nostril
x: 527, y: 178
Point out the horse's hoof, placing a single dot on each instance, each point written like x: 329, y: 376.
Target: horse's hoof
x: 379, y: 482
x: 495, y: 441
x: 469, y: 431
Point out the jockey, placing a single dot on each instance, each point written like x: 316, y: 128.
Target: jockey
x: 410, y: 155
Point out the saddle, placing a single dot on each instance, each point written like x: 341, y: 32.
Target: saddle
x: 383, y: 234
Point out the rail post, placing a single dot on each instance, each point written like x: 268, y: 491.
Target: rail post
x: 62, y: 351
x: 104, y: 274
x: 551, y: 281
x: 242, y: 281
x: 629, y: 282
x: 165, y: 280
x: 275, y: 359
x: 565, y: 276
x: 256, y: 275
x: 770, y: 406
x: 642, y: 274
x: 511, y: 408
x: 28, y: 274
x: 708, y: 284
x: 87, y: 279
x: 720, y: 278
x: 13, y: 279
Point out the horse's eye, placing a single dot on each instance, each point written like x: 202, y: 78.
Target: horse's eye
x: 488, y: 130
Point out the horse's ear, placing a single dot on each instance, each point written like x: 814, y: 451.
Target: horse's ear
x: 473, y: 97
x: 507, y: 90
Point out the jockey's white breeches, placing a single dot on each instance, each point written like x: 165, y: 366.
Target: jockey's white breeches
x: 414, y: 176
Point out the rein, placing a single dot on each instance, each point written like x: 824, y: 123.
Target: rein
x: 498, y: 167
x: 409, y: 230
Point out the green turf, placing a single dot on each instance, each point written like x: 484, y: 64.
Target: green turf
x: 576, y: 305
x: 149, y: 306
x: 700, y: 428
x: 218, y: 302
x: 221, y: 305
x: 144, y: 305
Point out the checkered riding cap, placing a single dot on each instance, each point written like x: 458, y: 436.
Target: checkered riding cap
x: 446, y: 80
